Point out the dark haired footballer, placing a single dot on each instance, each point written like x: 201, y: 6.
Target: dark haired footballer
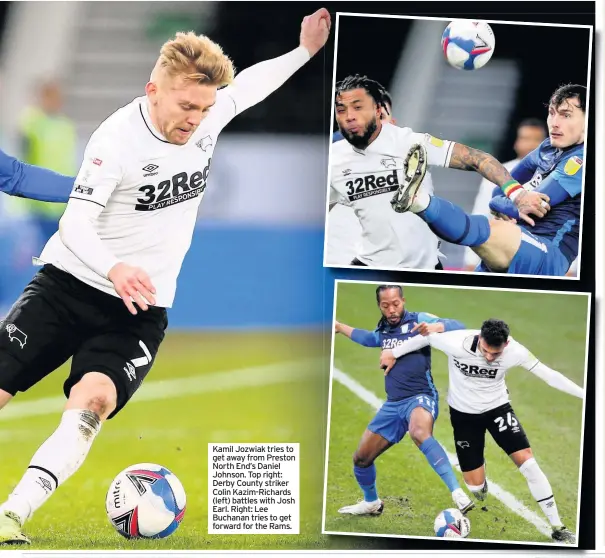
x: 553, y: 172
x: 370, y: 166
x: 478, y: 361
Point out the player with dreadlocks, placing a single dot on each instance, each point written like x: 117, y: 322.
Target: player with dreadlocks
x: 368, y: 168
x: 386, y: 112
x: 345, y: 231
x: 412, y: 404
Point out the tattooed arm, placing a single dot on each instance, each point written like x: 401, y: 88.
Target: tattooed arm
x: 469, y: 159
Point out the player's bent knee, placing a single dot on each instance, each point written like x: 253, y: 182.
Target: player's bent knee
x: 95, y: 392
x: 101, y: 405
x: 521, y: 456
x: 362, y: 460
x: 419, y: 433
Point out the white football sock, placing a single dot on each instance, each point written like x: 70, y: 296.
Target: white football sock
x: 541, y: 490
x: 420, y: 202
x: 59, y: 457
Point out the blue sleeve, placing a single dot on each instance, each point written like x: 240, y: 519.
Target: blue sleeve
x: 365, y: 337
x: 554, y: 191
x: 561, y: 184
x: 26, y: 181
x: 567, y: 176
x: 337, y: 136
x: 450, y: 325
x: 525, y: 169
x: 502, y: 204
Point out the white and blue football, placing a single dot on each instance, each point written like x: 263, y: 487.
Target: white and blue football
x: 145, y: 501
x: 452, y: 524
x: 468, y: 45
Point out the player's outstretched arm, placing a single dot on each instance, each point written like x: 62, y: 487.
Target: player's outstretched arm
x: 254, y: 84
x: 552, y: 187
x: 553, y: 378
x: 389, y: 357
x: 470, y: 159
x: 429, y: 323
x: 437, y: 339
x: 360, y: 336
x: 36, y: 183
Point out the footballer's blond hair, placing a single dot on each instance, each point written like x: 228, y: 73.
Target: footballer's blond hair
x: 196, y: 58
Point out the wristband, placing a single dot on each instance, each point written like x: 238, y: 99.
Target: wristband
x: 512, y: 189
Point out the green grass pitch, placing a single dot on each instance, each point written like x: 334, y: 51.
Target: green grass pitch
x: 552, y: 326
x: 175, y: 432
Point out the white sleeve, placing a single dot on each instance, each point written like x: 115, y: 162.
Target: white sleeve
x: 77, y: 231
x: 444, y: 342
x: 101, y: 170
x: 335, y: 197
x: 100, y: 173
x: 438, y: 151
x: 555, y: 379
x: 410, y: 345
x: 254, y: 84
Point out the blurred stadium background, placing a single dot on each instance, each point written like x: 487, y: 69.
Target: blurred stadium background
x: 481, y: 108
x: 261, y: 221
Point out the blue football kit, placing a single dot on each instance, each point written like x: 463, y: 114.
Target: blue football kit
x: 409, y: 384
x: 549, y: 247
x: 28, y: 181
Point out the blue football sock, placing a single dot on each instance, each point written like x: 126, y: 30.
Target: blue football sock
x: 440, y: 463
x: 366, y: 478
x: 452, y: 223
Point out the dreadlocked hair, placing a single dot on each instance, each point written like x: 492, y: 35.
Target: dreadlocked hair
x: 374, y: 89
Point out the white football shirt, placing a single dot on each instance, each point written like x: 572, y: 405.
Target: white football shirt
x: 475, y: 385
x: 148, y: 189
x: 366, y: 180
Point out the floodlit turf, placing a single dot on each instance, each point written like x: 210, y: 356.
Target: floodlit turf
x: 175, y: 432
x: 552, y: 326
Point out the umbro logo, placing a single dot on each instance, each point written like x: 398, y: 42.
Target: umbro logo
x: 149, y: 169
x: 204, y: 143
x: 130, y: 371
x: 45, y: 484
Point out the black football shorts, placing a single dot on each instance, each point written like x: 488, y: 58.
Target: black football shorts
x: 58, y: 317
x: 469, y: 434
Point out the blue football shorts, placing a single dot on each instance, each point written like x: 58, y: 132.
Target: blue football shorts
x: 536, y: 256
x: 393, y: 418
